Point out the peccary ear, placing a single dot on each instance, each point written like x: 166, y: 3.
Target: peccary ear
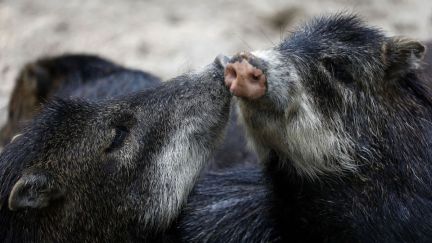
x: 35, y: 190
x: 37, y: 78
x: 402, y: 55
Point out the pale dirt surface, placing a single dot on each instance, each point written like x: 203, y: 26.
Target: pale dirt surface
x: 171, y: 37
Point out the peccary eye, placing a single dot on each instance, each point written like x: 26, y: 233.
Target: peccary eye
x: 121, y: 133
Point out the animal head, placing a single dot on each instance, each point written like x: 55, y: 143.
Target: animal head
x: 321, y: 88
x: 112, y: 164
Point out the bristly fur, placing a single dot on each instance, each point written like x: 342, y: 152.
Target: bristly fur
x: 230, y: 206
x: 115, y: 170
x: 344, y: 132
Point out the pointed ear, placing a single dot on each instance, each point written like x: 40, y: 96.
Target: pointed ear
x: 35, y: 190
x: 402, y: 55
x: 34, y: 75
x: 35, y: 79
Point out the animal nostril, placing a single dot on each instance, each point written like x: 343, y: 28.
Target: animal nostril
x: 244, y: 79
x: 230, y: 73
x: 256, y: 78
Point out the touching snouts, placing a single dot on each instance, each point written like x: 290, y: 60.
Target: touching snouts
x: 243, y: 78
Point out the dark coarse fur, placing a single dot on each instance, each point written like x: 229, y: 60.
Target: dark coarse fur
x: 94, y: 78
x: 230, y: 205
x: 344, y: 132
x: 358, y: 168
x: 71, y: 75
x: 114, y: 170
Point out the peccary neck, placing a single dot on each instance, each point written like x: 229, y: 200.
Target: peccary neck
x: 393, y: 168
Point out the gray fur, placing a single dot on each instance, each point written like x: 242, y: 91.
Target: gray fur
x: 230, y: 206
x: 316, y: 145
x: 344, y: 133
x: 117, y: 170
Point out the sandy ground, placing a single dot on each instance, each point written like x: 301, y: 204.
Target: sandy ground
x: 171, y: 37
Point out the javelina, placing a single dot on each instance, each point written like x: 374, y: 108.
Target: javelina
x: 111, y: 171
x: 92, y: 77
x: 78, y: 75
x: 342, y: 121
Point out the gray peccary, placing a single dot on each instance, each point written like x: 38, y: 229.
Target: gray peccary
x: 71, y: 75
x: 116, y: 170
x: 94, y: 78
x: 341, y: 118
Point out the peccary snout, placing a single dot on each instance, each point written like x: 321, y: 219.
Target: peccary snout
x: 245, y: 77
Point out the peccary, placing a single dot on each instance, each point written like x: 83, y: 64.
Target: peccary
x: 115, y: 170
x: 94, y: 78
x: 77, y: 75
x: 341, y: 119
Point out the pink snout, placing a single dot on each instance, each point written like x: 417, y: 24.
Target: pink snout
x: 245, y: 80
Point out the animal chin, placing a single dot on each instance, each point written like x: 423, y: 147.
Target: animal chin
x: 249, y: 91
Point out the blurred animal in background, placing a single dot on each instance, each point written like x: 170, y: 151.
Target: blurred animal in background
x: 77, y: 75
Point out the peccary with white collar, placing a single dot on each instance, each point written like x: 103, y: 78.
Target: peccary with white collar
x: 342, y: 121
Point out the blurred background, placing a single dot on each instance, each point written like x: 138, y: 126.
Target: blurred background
x: 171, y: 37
